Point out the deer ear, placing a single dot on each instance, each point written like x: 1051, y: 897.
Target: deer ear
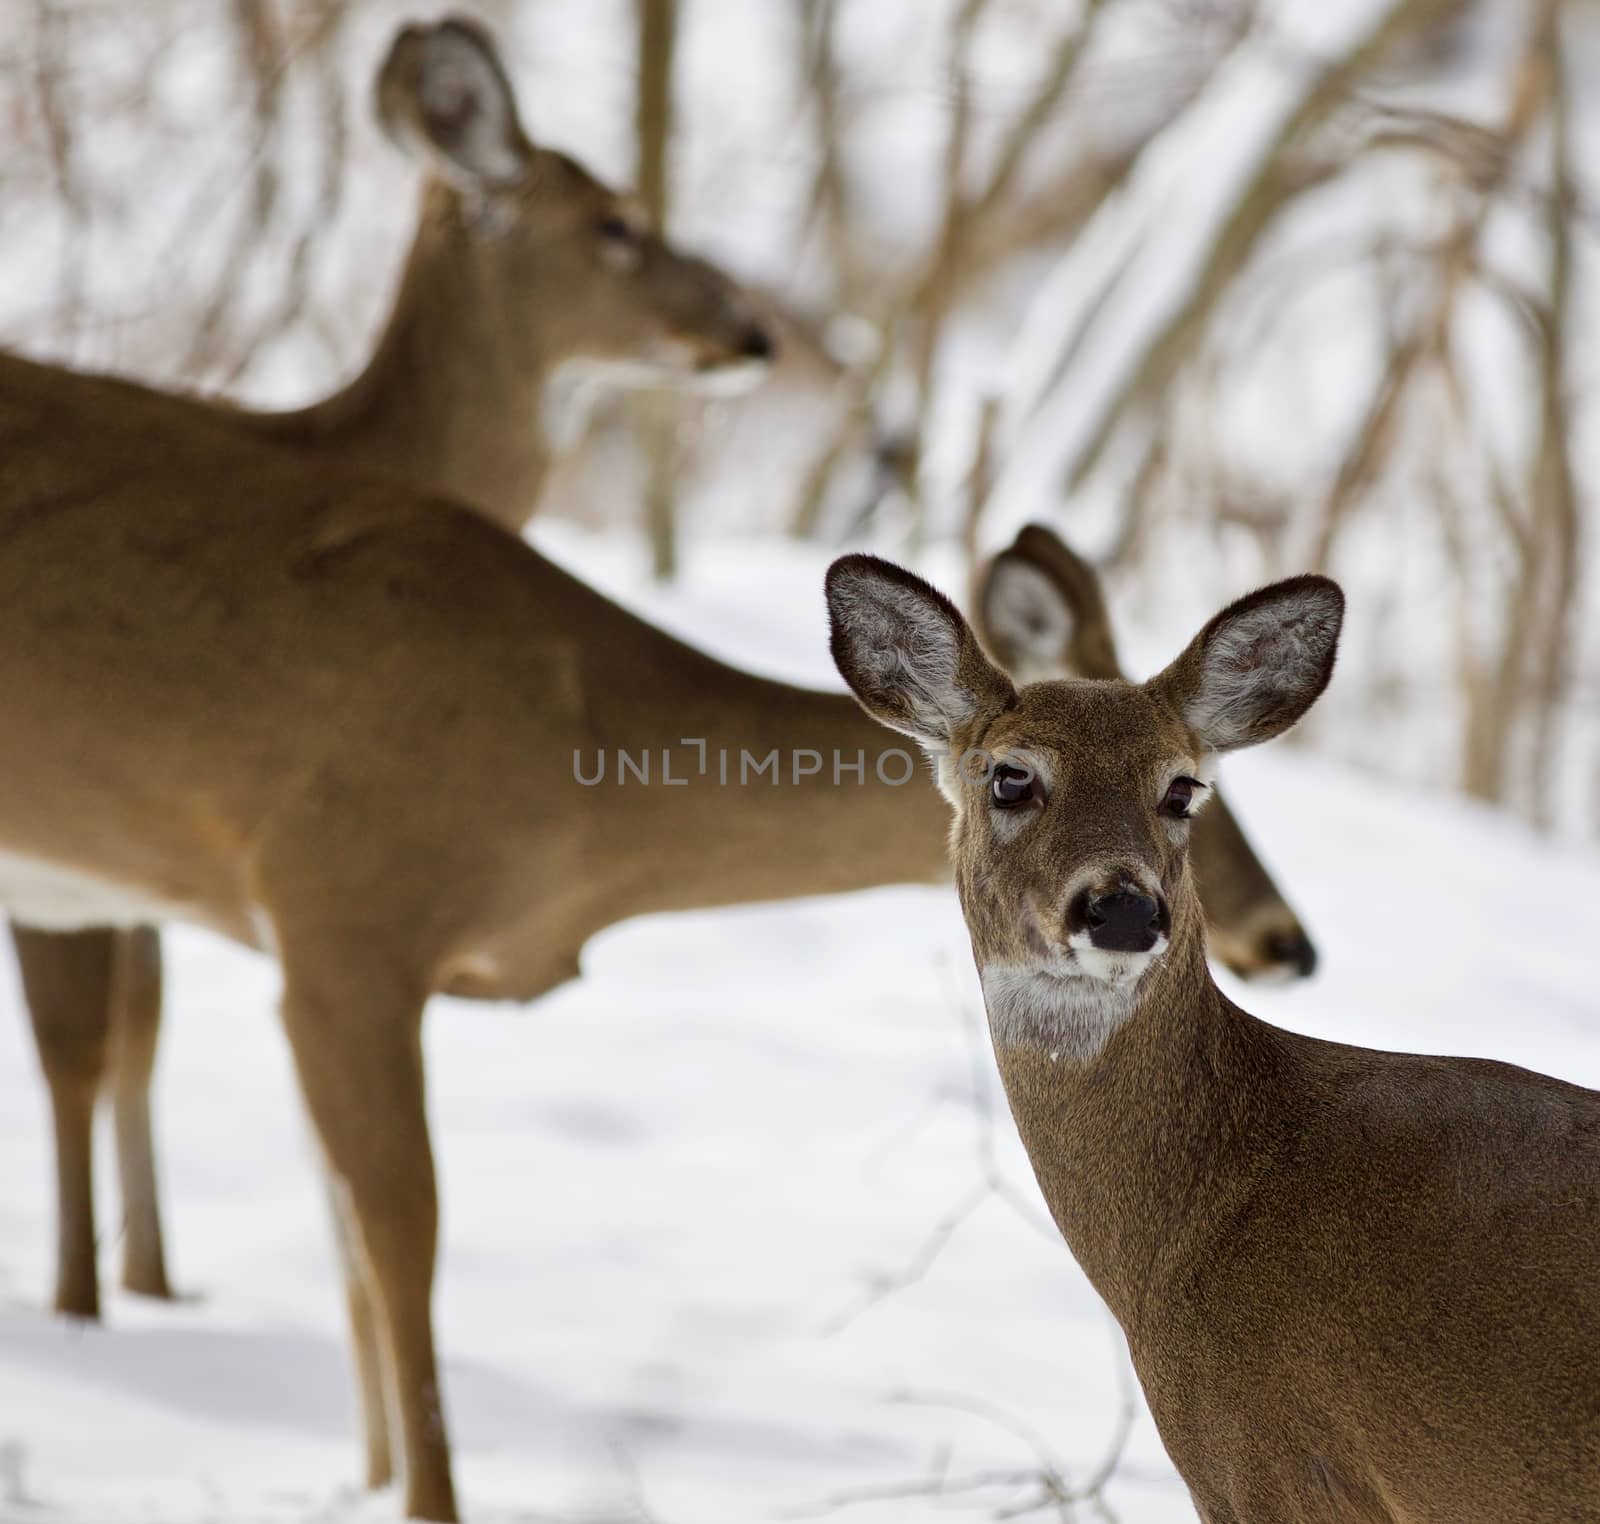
x: 1041, y: 610
x: 908, y: 655
x: 1259, y: 665
x: 443, y: 96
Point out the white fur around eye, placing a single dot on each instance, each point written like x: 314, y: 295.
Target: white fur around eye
x: 1008, y: 825
x: 620, y: 256
x: 1199, y: 798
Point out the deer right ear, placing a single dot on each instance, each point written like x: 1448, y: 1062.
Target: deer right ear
x: 908, y: 655
x: 443, y: 96
x: 1259, y: 665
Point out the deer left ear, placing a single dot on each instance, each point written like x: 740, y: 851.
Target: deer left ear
x: 1256, y: 668
x: 443, y: 95
x: 908, y: 655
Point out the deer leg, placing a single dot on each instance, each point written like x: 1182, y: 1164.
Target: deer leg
x: 371, y: 1377
x: 358, y: 1051
x: 66, y: 981
x: 135, y: 1025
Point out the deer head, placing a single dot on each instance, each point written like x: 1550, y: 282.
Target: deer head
x: 1074, y: 800
x: 1040, y: 608
x: 563, y: 265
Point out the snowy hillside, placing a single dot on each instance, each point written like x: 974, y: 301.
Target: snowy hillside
x: 736, y: 1228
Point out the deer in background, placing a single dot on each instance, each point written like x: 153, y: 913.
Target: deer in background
x: 1358, y: 1287
x: 1040, y: 609
x: 527, y: 281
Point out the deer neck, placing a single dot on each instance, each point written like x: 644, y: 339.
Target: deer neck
x: 1148, y: 1148
x: 786, y: 792
x: 453, y: 399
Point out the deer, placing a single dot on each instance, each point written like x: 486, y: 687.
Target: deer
x: 1358, y: 1287
x: 529, y: 284
x: 366, y: 731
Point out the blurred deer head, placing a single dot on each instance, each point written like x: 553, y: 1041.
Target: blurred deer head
x: 564, y: 269
x: 1040, y: 608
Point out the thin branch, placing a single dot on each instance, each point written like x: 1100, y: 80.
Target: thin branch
x: 1043, y: 1487
x: 990, y: 1184
x: 1255, y: 208
x: 49, y: 75
x: 261, y: 62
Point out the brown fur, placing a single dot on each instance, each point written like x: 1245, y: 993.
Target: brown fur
x: 507, y: 280
x: 340, y: 720
x: 1356, y: 1285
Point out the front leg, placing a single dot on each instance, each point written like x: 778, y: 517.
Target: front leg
x: 354, y: 1025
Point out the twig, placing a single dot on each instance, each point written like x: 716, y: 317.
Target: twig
x: 50, y: 69
x: 990, y: 1184
x: 1045, y: 1486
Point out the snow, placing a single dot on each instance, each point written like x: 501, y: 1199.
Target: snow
x: 678, y: 1194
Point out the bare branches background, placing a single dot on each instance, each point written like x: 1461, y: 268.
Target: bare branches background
x: 1373, y: 363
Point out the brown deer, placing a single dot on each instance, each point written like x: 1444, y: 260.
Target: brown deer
x: 527, y: 282
x: 1356, y: 1285
x: 368, y: 732
x: 371, y: 733
x: 1040, y: 609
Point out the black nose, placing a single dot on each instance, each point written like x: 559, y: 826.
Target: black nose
x: 758, y: 344
x: 1291, y: 949
x: 1123, y: 922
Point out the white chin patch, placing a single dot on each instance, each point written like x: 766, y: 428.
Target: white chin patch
x: 1069, y: 1007
x: 733, y: 380
x: 1058, y: 1008
x: 575, y: 386
x: 669, y: 366
x: 1118, y: 969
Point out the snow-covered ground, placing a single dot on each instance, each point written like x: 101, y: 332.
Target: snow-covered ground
x: 717, y: 1243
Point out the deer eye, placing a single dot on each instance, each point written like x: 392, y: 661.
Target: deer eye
x: 1012, y: 787
x: 617, y: 229
x: 1179, y: 800
x: 621, y: 244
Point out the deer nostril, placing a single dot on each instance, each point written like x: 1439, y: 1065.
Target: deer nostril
x: 1291, y: 949
x: 1125, y: 921
x: 758, y: 344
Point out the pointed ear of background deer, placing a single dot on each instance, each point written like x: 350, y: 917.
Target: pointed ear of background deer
x: 443, y: 97
x: 1259, y: 665
x: 1041, y: 610
x: 908, y: 655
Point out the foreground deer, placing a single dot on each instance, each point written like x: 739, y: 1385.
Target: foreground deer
x: 1357, y: 1286
x: 1040, y: 609
x: 527, y: 280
